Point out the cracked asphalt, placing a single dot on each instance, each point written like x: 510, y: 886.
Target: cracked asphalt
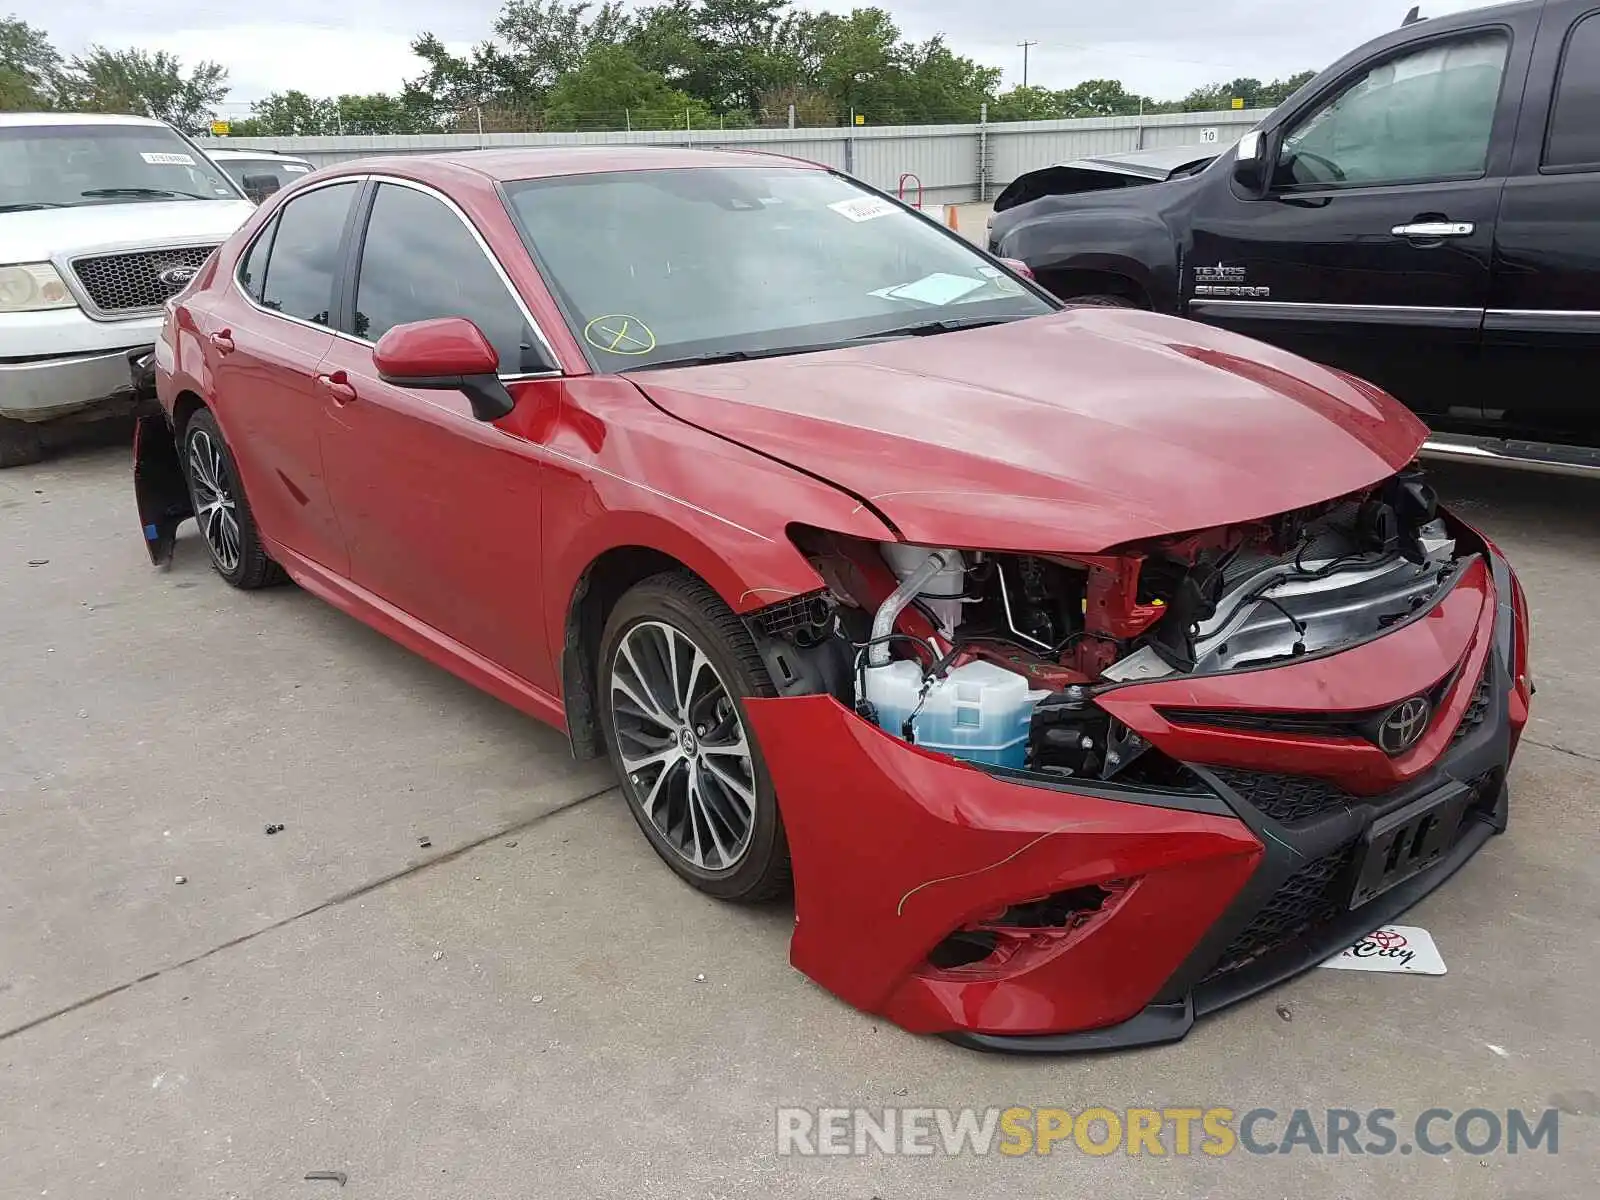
x: 530, y: 1005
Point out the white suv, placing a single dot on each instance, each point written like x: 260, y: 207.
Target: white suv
x: 102, y: 220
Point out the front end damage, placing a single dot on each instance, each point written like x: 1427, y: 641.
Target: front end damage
x: 1069, y: 802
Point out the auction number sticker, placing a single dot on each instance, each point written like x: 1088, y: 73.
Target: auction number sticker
x: 292, y: 169
x: 865, y: 209
x: 167, y: 159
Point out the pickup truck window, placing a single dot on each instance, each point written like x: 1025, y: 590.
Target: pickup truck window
x: 1574, y: 139
x: 1422, y: 115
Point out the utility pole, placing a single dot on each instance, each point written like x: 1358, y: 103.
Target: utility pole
x: 1024, y: 46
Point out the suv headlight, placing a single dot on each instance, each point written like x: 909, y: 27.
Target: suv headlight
x: 32, y: 287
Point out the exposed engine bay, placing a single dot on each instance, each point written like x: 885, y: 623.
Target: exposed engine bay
x: 996, y: 658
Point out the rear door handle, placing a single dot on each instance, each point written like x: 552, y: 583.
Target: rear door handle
x: 1434, y: 229
x: 223, y: 341
x: 338, y: 387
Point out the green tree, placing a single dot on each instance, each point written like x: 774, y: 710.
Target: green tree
x: 1101, y: 98
x: 287, y: 114
x: 539, y: 41
x: 148, y: 85
x: 29, y: 67
x: 610, y: 89
x: 1026, y: 104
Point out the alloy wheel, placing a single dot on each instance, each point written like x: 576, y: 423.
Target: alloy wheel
x: 684, y: 749
x: 215, y: 508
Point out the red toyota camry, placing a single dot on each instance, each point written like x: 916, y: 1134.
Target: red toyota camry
x: 1082, y: 670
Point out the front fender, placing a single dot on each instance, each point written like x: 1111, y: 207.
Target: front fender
x: 1136, y: 245
x: 721, y: 510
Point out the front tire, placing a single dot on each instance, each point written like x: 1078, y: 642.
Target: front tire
x: 227, y: 526
x: 675, y: 668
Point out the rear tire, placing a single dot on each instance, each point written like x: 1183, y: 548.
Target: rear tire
x: 221, y: 509
x: 20, y: 443
x: 675, y: 668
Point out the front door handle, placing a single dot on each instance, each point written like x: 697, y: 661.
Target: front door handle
x: 223, y: 341
x: 338, y: 387
x: 1429, y: 230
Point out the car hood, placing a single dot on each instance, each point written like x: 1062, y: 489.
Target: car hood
x: 36, y: 235
x: 1072, y: 432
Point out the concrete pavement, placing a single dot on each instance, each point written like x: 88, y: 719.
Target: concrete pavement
x: 517, y: 1009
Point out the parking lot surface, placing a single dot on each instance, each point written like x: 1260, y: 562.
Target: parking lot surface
x: 459, y: 971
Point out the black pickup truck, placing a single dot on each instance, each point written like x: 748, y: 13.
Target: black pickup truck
x: 1425, y: 213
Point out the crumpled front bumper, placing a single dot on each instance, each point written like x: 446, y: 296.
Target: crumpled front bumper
x: 895, y: 849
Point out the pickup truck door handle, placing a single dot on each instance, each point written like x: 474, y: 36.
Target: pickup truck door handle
x: 223, y: 341
x: 1429, y: 230
x: 338, y: 388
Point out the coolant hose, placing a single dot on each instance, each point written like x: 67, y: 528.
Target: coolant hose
x: 890, y: 609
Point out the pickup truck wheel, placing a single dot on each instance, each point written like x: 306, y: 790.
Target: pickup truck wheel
x: 20, y: 444
x: 675, y: 668
x: 221, y: 509
x: 1100, y: 301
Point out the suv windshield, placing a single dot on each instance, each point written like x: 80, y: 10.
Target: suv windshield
x: 60, y: 166
x: 664, y: 266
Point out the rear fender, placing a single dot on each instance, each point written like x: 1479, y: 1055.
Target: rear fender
x: 159, y: 486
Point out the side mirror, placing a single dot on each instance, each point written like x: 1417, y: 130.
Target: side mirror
x: 1252, y: 168
x: 446, y: 354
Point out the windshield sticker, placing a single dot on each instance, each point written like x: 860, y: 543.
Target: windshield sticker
x: 618, y: 333
x: 865, y: 209
x: 167, y: 160
x: 938, y: 288
x: 292, y: 169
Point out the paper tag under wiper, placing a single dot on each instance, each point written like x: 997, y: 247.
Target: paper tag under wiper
x: 938, y: 288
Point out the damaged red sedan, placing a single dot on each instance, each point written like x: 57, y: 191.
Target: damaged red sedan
x: 1082, y: 670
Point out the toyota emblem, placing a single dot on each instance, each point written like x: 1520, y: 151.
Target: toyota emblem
x: 177, y: 278
x: 1403, y: 725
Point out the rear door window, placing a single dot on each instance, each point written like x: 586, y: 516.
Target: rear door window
x: 419, y: 261
x: 1574, y: 138
x: 304, y: 258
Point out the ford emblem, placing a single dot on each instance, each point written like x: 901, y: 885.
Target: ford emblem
x: 177, y: 278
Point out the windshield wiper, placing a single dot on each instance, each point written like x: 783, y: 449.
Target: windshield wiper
x: 141, y: 191
x: 924, y: 328
x: 713, y: 357
x: 30, y: 204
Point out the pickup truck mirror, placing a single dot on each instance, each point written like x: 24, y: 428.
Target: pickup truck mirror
x: 1252, y: 163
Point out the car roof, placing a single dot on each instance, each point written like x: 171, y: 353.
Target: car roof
x: 71, y: 118
x: 543, y: 162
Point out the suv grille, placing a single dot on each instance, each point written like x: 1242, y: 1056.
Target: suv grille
x: 1287, y: 798
x: 1311, y: 896
x: 125, y: 284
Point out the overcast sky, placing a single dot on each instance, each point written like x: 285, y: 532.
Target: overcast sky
x: 1162, y: 48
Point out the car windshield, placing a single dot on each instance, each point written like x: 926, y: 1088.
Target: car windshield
x: 261, y: 177
x: 654, y: 267
x: 62, y: 166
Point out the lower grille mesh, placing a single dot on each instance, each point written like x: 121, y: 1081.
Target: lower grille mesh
x: 1286, y: 798
x: 1311, y: 896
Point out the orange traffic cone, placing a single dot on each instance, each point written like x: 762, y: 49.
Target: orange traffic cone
x: 952, y: 217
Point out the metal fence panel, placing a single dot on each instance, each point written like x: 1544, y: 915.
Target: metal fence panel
x: 944, y: 157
